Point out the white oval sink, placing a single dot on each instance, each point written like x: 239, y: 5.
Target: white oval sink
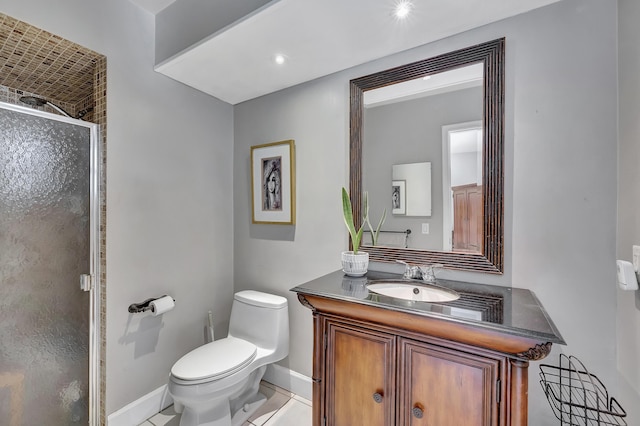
x: 414, y: 291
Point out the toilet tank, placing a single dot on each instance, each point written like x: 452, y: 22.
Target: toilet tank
x: 262, y: 319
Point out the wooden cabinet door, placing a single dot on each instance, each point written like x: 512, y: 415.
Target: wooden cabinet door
x: 468, y: 218
x: 476, y: 218
x: 443, y: 387
x: 360, y: 377
x: 460, y: 222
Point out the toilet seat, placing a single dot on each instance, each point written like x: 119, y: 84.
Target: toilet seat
x: 214, y: 361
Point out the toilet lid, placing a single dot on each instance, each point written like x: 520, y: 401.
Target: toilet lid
x: 215, y: 360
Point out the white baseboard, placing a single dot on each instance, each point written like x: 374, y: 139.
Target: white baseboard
x: 141, y: 409
x: 289, y: 380
x: 154, y: 402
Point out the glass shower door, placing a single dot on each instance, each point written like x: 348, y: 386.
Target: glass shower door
x: 45, y: 245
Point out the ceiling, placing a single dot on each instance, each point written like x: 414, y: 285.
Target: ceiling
x: 456, y: 79
x: 318, y: 38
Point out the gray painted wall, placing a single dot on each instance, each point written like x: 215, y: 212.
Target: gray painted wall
x: 628, y: 312
x: 276, y: 258
x: 560, y: 202
x: 169, y: 221
x: 411, y: 132
x: 560, y: 212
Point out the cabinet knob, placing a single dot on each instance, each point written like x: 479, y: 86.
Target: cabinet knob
x: 377, y: 397
x: 417, y: 412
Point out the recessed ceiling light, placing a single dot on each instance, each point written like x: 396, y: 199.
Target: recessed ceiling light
x: 279, y: 59
x: 403, y: 8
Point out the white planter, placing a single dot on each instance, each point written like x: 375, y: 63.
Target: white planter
x: 355, y: 265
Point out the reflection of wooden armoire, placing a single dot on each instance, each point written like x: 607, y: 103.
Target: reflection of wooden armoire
x: 467, y: 218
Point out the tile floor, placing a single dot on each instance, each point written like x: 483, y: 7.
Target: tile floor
x: 281, y: 409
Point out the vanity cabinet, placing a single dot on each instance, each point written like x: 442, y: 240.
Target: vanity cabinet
x: 376, y: 376
x: 389, y: 362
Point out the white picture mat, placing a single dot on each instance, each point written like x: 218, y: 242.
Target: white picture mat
x: 401, y: 209
x: 284, y: 215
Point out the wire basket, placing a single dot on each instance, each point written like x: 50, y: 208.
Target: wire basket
x: 577, y: 397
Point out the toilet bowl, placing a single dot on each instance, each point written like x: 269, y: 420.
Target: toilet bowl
x: 217, y: 384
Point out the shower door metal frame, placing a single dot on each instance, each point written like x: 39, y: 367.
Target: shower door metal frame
x: 94, y: 251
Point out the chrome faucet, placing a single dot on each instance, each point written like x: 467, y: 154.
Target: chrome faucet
x: 429, y: 272
x: 411, y: 272
x: 425, y: 273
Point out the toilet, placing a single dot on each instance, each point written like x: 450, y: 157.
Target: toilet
x: 217, y: 384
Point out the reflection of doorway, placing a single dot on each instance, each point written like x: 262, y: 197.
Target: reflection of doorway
x: 461, y: 165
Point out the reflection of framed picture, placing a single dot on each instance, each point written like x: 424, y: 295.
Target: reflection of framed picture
x: 273, y: 186
x: 398, y: 191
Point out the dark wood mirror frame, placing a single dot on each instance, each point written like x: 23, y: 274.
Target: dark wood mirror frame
x: 492, y: 55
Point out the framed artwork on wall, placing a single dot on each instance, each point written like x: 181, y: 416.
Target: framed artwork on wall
x: 273, y: 186
x: 398, y: 195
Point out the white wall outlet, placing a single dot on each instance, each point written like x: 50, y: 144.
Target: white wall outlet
x: 636, y: 258
x: 425, y: 229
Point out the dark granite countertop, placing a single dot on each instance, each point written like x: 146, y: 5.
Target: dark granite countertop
x: 509, y: 310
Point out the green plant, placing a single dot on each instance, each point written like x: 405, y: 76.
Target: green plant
x: 347, y: 212
x: 374, y: 233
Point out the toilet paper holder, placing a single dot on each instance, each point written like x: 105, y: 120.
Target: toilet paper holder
x: 135, y: 308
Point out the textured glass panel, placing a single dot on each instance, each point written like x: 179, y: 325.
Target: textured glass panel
x: 44, y: 247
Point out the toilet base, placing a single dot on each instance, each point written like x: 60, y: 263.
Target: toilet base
x: 229, y: 410
x: 223, y: 418
x: 249, y: 408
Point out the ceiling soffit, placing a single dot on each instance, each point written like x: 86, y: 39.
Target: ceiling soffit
x: 318, y: 38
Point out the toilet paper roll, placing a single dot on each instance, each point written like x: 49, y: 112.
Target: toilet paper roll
x: 162, y: 305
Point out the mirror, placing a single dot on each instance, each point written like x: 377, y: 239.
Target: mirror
x: 475, y: 244
x: 411, y: 122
